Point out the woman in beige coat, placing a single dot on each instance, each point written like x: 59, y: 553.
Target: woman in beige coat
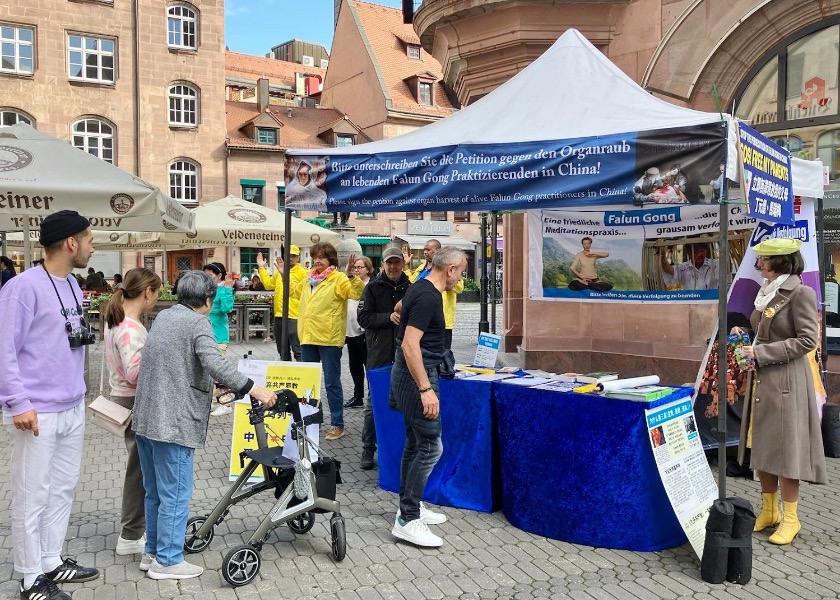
x: 781, y: 424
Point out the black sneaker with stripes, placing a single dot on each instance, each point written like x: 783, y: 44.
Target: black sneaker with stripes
x: 43, y: 589
x: 71, y: 572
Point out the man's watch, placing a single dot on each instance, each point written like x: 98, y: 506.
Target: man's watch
x: 426, y: 389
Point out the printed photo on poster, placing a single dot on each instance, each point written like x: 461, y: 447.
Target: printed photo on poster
x: 306, y: 179
x: 652, y: 254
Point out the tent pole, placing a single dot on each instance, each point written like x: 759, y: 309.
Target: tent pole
x: 483, y: 325
x: 494, y: 234
x: 723, y: 332
x: 287, y: 247
x: 818, y: 218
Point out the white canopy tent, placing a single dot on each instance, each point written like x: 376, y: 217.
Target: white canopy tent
x: 571, y: 92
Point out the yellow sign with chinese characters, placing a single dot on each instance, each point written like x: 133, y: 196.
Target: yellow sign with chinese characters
x: 304, y: 379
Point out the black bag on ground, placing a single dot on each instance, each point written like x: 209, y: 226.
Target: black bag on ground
x: 716, y: 551
x: 831, y: 430
x: 739, y: 565
x: 727, y: 553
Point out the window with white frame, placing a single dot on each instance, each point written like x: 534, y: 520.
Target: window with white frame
x: 182, y: 24
x: 342, y: 140
x: 10, y: 116
x: 94, y: 136
x: 183, y: 105
x: 17, y: 49
x: 91, y: 58
x: 183, y: 181
x: 412, y: 51
x: 424, y: 93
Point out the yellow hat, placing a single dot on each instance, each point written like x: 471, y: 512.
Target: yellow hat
x: 294, y: 250
x: 777, y: 247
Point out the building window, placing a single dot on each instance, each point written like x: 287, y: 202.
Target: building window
x: 414, y: 216
x: 424, y: 95
x: 437, y: 216
x: 461, y: 216
x: 181, y: 27
x: 183, y: 105
x: 281, y: 201
x: 342, y: 140
x: 17, y: 50
x: 413, y: 52
x: 91, y: 58
x: 253, y: 193
x: 796, y: 86
x: 183, y: 181
x: 248, y: 259
x: 828, y: 151
x: 10, y: 116
x: 96, y: 137
x: 266, y: 136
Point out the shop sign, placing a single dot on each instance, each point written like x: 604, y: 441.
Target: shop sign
x: 433, y: 228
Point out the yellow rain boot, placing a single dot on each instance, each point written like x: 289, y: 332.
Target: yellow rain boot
x: 790, y: 525
x: 769, y: 515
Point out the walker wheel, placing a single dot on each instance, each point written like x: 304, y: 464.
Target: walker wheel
x: 339, y: 538
x: 302, y: 523
x: 241, y: 565
x: 192, y: 543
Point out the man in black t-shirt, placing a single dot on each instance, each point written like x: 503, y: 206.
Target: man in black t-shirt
x: 414, y: 392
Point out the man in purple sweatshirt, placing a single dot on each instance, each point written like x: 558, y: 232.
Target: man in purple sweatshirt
x: 42, y: 348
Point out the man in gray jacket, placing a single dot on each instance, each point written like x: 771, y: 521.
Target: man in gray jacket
x: 181, y: 361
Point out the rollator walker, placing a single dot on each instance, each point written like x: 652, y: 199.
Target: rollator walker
x: 302, y: 488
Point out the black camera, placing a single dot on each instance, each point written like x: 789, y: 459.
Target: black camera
x: 81, y: 337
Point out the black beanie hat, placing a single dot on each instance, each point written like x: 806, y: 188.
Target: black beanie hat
x: 61, y: 225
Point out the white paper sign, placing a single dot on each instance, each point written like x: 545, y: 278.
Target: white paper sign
x: 487, y: 350
x: 683, y: 468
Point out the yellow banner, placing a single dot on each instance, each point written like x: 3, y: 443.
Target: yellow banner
x: 304, y: 379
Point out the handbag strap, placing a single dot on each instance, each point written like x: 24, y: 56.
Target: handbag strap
x: 102, y: 362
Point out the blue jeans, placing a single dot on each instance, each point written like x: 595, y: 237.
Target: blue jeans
x: 330, y: 359
x: 168, y: 479
x: 422, y: 451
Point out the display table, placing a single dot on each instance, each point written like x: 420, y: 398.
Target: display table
x: 579, y: 468
x: 466, y: 475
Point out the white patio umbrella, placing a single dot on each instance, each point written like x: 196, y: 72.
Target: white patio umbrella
x: 40, y: 175
x: 230, y: 221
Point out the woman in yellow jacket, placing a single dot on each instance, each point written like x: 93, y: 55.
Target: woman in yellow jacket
x: 322, y: 323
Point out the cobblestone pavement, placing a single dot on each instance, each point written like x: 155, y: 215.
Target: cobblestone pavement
x: 482, y: 557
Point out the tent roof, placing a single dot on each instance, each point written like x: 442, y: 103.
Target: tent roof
x: 571, y: 91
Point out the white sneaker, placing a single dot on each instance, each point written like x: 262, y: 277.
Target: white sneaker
x: 221, y: 410
x: 428, y: 516
x: 416, y: 532
x: 183, y: 570
x: 126, y: 547
x: 146, y: 561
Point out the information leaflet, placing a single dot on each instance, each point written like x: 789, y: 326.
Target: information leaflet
x: 487, y: 350
x: 304, y: 379
x: 683, y: 467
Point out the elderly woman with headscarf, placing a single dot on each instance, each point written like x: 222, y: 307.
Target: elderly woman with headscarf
x: 181, y: 360
x: 304, y: 186
x: 782, y: 425
x: 322, y: 323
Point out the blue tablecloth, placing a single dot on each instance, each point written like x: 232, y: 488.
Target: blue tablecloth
x: 466, y: 475
x: 579, y: 468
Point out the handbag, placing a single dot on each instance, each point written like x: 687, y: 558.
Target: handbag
x: 105, y: 413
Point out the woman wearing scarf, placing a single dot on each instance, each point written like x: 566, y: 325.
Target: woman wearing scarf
x: 304, y: 185
x: 322, y: 321
x: 781, y: 424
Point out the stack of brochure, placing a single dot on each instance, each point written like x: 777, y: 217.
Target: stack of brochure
x: 644, y: 393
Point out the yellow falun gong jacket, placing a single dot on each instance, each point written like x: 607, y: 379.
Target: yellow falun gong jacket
x: 322, y: 318
x: 297, y: 275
